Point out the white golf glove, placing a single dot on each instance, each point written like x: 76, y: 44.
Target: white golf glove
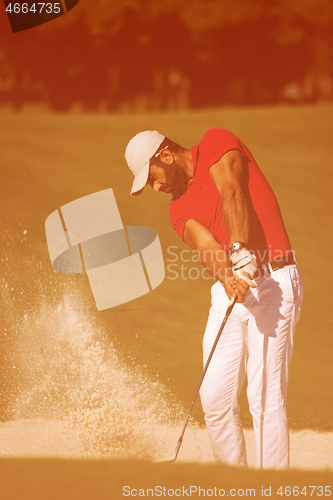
x: 244, y: 262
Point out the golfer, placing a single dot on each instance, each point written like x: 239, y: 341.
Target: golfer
x: 223, y: 207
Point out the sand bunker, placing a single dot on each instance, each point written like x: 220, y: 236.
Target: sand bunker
x: 52, y: 438
x: 72, y: 397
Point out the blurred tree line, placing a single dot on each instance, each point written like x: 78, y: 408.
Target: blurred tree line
x: 176, y: 54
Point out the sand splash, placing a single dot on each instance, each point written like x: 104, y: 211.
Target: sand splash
x: 66, y: 372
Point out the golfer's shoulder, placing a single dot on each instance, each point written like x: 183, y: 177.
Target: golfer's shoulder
x: 216, y: 138
x: 215, y: 143
x: 218, y: 134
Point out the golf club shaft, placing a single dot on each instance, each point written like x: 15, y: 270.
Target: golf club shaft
x: 227, y: 314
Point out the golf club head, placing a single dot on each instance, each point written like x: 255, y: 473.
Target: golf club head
x: 174, y: 458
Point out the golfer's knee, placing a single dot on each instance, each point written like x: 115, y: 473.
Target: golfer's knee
x: 258, y: 406
x: 215, y: 410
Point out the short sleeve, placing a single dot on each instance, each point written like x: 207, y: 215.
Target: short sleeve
x: 185, y: 208
x: 178, y: 220
x: 216, y: 143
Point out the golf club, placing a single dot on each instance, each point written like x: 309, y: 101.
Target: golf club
x: 180, y: 440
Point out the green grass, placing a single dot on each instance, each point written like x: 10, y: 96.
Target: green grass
x: 49, y: 160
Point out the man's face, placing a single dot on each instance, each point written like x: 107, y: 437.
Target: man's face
x: 168, y: 178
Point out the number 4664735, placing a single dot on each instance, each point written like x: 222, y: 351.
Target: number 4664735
x: 24, y: 8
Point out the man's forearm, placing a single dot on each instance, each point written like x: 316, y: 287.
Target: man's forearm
x: 237, y: 218
x: 216, y: 261
x: 213, y: 256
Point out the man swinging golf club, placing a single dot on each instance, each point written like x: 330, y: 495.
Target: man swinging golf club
x: 223, y: 207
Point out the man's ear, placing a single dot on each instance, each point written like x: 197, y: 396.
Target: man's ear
x: 166, y: 156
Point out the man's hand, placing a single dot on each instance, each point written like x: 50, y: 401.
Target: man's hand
x: 244, y: 266
x: 236, y: 288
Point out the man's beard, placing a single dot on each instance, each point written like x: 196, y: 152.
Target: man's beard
x: 176, y: 179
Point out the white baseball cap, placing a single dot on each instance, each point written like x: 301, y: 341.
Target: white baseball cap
x: 138, y: 152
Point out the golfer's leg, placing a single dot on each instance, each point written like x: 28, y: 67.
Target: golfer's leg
x: 223, y: 381
x: 270, y: 343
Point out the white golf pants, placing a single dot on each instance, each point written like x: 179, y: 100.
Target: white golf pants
x: 257, y: 341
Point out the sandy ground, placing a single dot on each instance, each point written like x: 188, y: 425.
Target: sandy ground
x: 40, y: 438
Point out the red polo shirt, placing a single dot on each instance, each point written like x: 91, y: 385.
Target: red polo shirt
x: 202, y: 202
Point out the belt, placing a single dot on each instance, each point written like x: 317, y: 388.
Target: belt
x: 274, y: 265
